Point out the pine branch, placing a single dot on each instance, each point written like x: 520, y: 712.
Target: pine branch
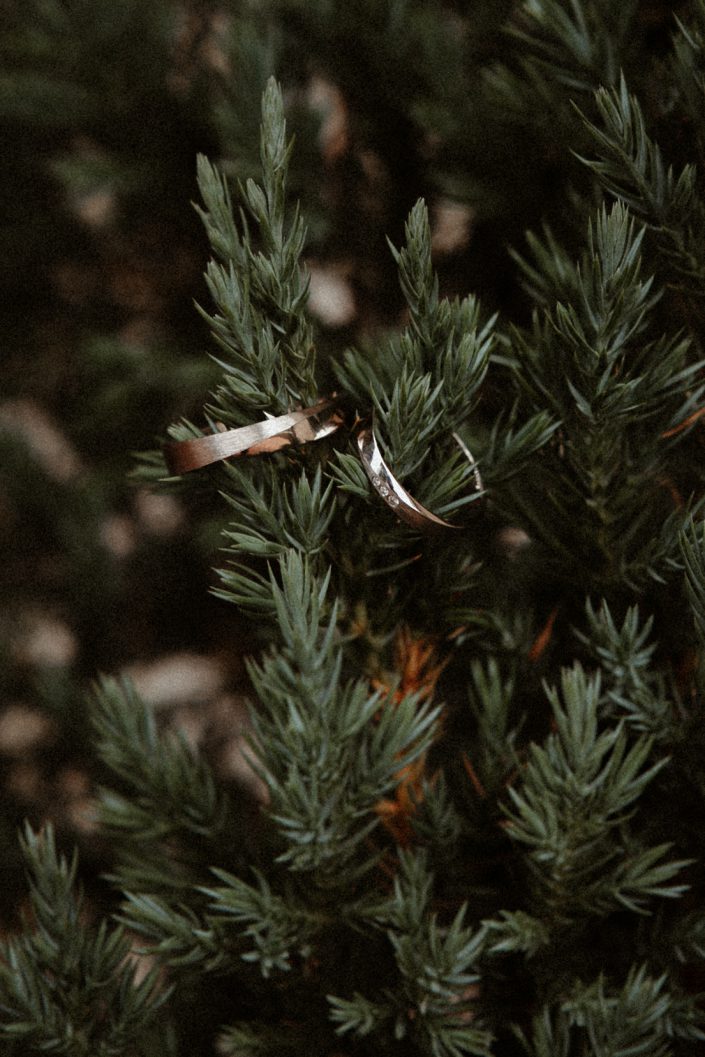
x: 553, y: 54
x: 590, y: 360
x: 436, y: 821
x: 619, y: 1021
x: 514, y: 930
x: 689, y: 938
x: 436, y: 1004
x: 491, y: 695
x: 510, y: 450
x: 605, y: 311
x: 359, y: 1015
x: 687, y: 69
x: 420, y: 387
x: 577, y: 45
x: 272, y: 517
x: 261, y: 1040
x: 271, y: 929
x: 65, y: 986
x: 182, y: 939
x: 170, y: 803
x: 630, y: 165
x: 630, y: 684
x: 172, y: 789
x: 424, y: 384
x: 571, y: 808
x: 260, y: 292
x: 692, y: 547
x: 647, y: 1015
x: 328, y: 749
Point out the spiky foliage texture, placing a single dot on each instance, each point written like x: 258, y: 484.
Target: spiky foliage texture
x: 479, y: 755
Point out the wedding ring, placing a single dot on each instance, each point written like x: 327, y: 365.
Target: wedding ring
x: 394, y: 494
x: 471, y: 459
x: 260, y: 438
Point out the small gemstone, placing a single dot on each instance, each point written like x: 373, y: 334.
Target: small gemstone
x: 393, y: 501
x: 383, y: 490
x: 376, y: 481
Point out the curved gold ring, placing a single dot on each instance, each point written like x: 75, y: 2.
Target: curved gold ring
x: 474, y: 469
x: 260, y: 438
x: 394, y: 494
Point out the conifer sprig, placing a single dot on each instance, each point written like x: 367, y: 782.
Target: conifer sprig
x: 436, y: 1007
x: 630, y: 165
x: 687, y: 68
x: 258, y: 285
x: 328, y: 749
x: 425, y: 383
x: 571, y: 807
x: 491, y: 694
x: 171, y: 789
x: 178, y: 936
x: 631, y: 686
x: 272, y: 931
x: 573, y: 46
x: 270, y: 517
x: 693, y: 551
x: 515, y: 930
x: 645, y: 1016
x: 66, y: 986
x: 591, y: 359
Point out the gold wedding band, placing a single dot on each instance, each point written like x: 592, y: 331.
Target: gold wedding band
x: 394, y: 494
x: 260, y: 438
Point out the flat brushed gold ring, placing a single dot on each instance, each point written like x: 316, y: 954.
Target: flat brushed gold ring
x: 259, y: 438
